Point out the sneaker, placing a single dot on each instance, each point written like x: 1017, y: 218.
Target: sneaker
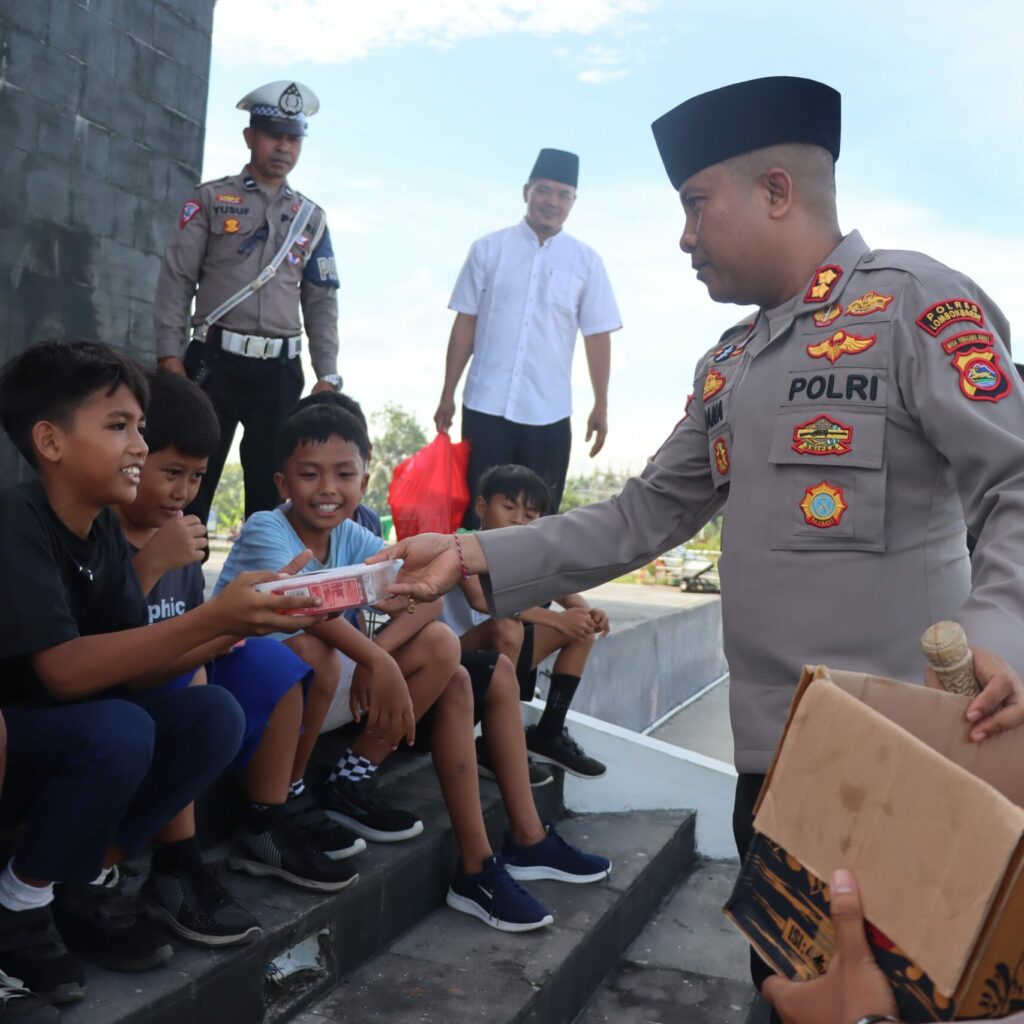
x: 195, y: 906
x: 306, y: 815
x: 539, y: 775
x: 564, y: 751
x: 497, y: 899
x: 358, y: 806
x: 32, y: 951
x: 106, y: 927
x: 17, y: 1003
x: 553, y: 858
x: 284, y: 852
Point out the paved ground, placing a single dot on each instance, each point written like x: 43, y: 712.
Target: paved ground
x: 702, y: 726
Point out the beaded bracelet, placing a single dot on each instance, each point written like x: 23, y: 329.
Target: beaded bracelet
x: 462, y: 561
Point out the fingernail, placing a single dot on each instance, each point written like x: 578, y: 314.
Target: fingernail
x: 974, y: 715
x: 843, y: 881
x: 978, y: 735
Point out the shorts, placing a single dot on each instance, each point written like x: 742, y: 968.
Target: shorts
x: 257, y: 675
x: 525, y: 672
x: 339, y: 713
x: 480, y: 665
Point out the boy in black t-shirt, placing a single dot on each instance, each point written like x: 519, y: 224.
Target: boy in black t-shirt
x: 96, y: 761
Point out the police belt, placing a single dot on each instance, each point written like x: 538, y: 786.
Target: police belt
x: 254, y: 347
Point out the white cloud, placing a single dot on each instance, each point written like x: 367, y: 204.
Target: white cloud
x: 329, y: 32
x: 600, y: 76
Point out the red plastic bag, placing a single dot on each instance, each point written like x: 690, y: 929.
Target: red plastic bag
x: 428, y: 491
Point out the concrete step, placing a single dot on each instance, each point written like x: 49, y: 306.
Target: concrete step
x: 452, y: 967
x: 398, y: 885
x: 689, y: 965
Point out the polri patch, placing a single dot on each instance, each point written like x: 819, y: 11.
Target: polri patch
x: 713, y: 383
x: 721, y: 450
x: 828, y: 315
x: 825, y: 279
x: 232, y: 226
x: 983, y: 339
x: 227, y: 197
x: 823, y: 505
x: 869, y: 302
x: 188, y: 210
x: 982, y: 379
x: 822, y: 436
x: 840, y: 344
x: 950, y: 311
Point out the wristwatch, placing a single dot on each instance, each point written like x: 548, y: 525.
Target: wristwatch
x: 334, y: 379
x: 877, y: 1018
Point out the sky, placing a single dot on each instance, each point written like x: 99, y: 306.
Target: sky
x: 432, y: 112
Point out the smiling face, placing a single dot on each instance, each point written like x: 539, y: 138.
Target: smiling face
x: 170, y: 481
x: 97, y: 457
x: 548, y: 204
x: 324, y: 483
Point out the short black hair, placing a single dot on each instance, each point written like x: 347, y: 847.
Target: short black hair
x: 514, y: 482
x: 180, y: 415
x: 336, y: 398
x: 51, y: 380
x: 317, y: 423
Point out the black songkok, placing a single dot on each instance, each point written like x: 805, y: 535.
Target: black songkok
x: 557, y: 165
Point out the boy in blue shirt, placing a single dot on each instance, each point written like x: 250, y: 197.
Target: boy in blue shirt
x: 294, y: 840
x: 96, y: 761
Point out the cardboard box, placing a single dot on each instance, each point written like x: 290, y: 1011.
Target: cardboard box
x: 882, y: 778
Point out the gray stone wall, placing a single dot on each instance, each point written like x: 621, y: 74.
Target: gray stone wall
x: 102, y: 112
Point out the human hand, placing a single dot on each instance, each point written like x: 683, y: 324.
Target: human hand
x: 575, y: 623
x: 174, y: 364
x: 431, y: 564
x: 854, y: 985
x: 444, y: 415
x: 597, y: 424
x: 381, y: 692
x: 1000, y: 705
x: 602, y: 624
x: 178, y: 542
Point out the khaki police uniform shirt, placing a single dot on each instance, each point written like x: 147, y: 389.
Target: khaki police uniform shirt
x: 227, y: 232
x: 852, y: 430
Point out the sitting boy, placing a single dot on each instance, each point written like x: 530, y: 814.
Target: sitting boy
x: 291, y: 840
x: 410, y: 666
x: 97, y: 761
x: 513, y: 496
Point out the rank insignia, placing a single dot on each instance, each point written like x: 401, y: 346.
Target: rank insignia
x: 840, y: 344
x: 950, y: 311
x: 823, y: 505
x: 823, y: 317
x: 824, y: 281
x: 302, y: 241
x: 822, y: 436
x: 232, y: 226
x: 721, y: 450
x: 869, y: 302
x: 228, y: 198
x: 982, y: 379
x: 189, y: 209
x: 713, y: 383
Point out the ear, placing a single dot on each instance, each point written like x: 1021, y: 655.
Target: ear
x: 526, y: 192
x: 480, y: 506
x: 778, y: 186
x: 363, y: 485
x: 282, y: 486
x: 47, y: 439
x: 247, y: 135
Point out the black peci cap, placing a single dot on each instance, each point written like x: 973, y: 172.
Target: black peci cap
x: 557, y: 165
x: 740, y: 118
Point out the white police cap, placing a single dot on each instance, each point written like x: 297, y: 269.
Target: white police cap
x: 280, y: 107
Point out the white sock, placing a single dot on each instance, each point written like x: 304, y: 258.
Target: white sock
x: 18, y: 895
x: 297, y: 788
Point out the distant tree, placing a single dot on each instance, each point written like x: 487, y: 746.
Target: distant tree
x: 396, y: 435
x: 709, y: 538
x: 585, y: 490
x: 228, y: 508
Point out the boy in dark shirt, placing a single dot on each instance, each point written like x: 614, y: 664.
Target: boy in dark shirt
x: 96, y: 764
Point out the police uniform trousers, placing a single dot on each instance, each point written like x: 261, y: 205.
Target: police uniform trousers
x: 496, y: 441
x: 258, y: 393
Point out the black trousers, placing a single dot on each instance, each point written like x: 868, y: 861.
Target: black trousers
x: 496, y: 441
x: 256, y: 393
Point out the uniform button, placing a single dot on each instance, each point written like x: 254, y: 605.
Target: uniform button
x: 869, y: 258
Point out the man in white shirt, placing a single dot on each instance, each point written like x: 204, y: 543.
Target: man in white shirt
x: 520, y: 299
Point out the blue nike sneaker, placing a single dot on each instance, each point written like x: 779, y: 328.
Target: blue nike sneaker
x: 498, y: 900
x: 553, y: 858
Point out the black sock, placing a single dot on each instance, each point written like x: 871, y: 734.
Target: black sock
x: 560, y: 695
x: 178, y: 858
x: 261, y: 818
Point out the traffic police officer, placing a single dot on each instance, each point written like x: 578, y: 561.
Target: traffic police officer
x: 853, y: 423
x: 251, y: 250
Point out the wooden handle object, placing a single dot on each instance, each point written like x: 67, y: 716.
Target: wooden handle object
x: 945, y: 647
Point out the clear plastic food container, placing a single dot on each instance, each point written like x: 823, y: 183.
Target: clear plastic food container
x: 352, y: 586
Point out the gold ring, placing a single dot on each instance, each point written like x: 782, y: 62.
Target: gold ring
x: 412, y: 605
